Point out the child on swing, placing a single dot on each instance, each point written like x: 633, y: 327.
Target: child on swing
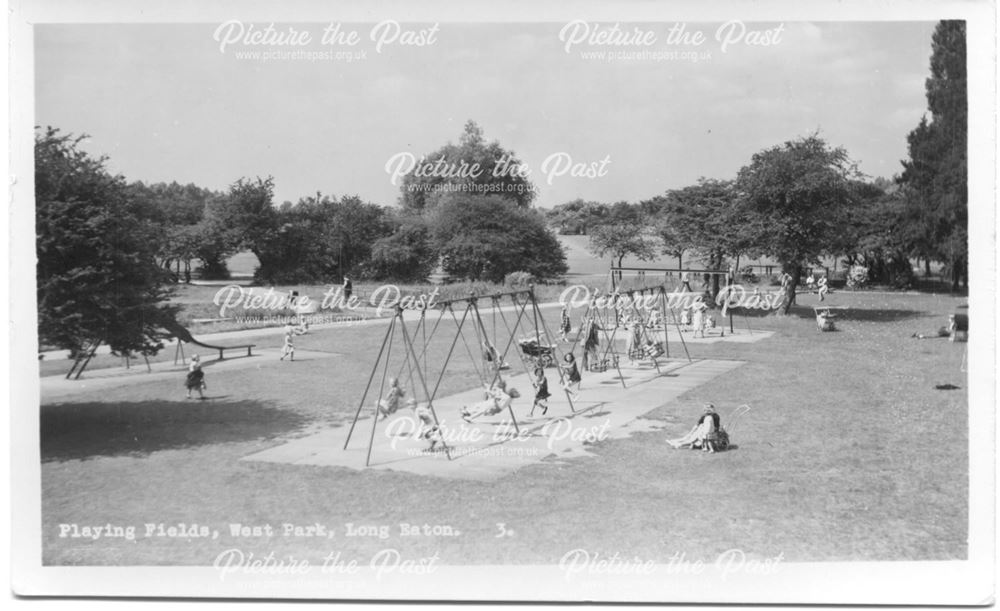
x: 429, y: 430
x: 498, y: 398
x: 572, y: 373
x: 541, y: 391
x: 389, y: 404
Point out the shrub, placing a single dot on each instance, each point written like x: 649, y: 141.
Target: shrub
x: 518, y: 280
x: 857, y: 277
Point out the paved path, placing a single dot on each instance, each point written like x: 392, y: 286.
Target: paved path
x: 491, y: 448
x: 235, y: 337
x: 58, y: 387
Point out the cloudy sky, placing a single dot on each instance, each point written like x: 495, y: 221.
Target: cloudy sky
x: 168, y: 103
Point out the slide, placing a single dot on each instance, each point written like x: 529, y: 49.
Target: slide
x: 183, y: 335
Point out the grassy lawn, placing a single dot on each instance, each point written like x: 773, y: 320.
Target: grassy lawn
x: 849, y: 453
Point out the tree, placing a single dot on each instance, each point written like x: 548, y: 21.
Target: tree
x: 709, y: 220
x: 622, y: 233
x: 576, y: 217
x: 406, y: 255
x: 796, y: 194
x: 471, y: 167
x: 486, y: 238
x: 179, y: 212
x: 319, y: 239
x: 98, y: 278
x: 935, y: 175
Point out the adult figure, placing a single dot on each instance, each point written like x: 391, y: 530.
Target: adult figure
x: 704, y: 434
x: 686, y: 282
x: 348, y: 289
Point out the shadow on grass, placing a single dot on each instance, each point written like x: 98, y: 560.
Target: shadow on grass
x: 78, y: 431
x: 863, y: 315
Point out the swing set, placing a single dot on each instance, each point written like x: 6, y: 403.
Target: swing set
x: 618, y: 286
x: 406, y: 345
x: 643, y: 343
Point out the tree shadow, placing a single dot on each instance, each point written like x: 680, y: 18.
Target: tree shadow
x: 79, y: 431
x: 863, y: 315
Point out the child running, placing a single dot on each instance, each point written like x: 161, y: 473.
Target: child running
x: 195, y: 377
x: 823, y: 289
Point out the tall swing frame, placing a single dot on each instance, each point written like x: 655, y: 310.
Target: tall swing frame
x: 667, y: 270
x: 418, y: 363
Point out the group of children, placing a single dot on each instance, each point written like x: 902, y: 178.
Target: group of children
x: 817, y: 286
x: 390, y: 403
x: 696, y: 318
x: 498, y: 398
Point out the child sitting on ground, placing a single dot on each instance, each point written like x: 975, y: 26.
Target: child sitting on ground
x: 389, y: 404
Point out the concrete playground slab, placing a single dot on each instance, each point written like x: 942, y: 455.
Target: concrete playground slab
x: 493, y: 447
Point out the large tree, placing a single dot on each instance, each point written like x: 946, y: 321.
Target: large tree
x: 623, y: 232
x: 179, y: 210
x: 796, y: 194
x: 486, y: 238
x: 576, y: 217
x: 935, y: 175
x: 405, y: 255
x: 710, y: 220
x: 98, y: 278
x: 472, y: 167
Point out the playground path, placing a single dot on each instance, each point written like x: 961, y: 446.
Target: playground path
x: 493, y: 447
x: 58, y: 387
x: 242, y: 335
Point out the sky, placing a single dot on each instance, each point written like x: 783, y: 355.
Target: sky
x: 170, y: 102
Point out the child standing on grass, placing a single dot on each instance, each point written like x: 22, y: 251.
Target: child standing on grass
x: 564, y: 325
x: 195, y: 377
x: 289, y: 348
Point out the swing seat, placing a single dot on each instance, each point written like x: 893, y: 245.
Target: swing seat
x: 599, y: 367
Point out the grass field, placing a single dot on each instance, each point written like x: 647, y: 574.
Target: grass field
x: 849, y: 453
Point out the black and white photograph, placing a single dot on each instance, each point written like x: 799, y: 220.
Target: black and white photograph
x: 504, y: 302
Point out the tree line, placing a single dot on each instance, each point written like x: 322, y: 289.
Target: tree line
x: 804, y: 199
x: 109, y: 250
